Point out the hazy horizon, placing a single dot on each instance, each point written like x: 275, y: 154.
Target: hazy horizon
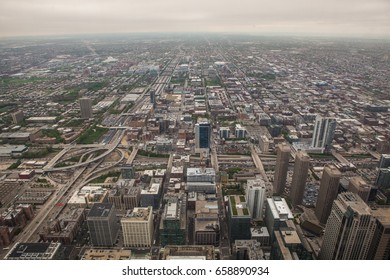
x: 349, y: 18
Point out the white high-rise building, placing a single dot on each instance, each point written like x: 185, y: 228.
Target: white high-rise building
x: 323, y: 132
x: 349, y: 230
x: 137, y: 227
x: 240, y: 131
x: 255, y: 197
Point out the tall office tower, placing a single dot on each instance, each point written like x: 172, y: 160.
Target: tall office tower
x: 383, y: 183
x: 224, y: 132
x: 173, y: 223
x: 240, y: 131
x: 360, y: 187
x: 137, y: 227
x: 323, y: 132
x: 86, y: 108
x: 301, y: 169
x: 380, y: 245
x: 255, y: 196
x: 102, y: 224
x: 329, y: 187
x: 152, y: 93
x: 239, y: 218
x: 283, y: 155
x: 384, y: 161
x: 383, y: 178
x: 202, y: 134
x: 349, y: 230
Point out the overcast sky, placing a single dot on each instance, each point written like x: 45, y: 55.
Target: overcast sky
x: 319, y: 17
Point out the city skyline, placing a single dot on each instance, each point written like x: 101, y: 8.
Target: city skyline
x: 43, y: 17
x: 165, y: 147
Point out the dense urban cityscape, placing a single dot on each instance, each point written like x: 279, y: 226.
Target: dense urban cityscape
x: 194, y: 146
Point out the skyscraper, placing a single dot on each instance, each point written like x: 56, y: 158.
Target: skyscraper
x: 224, y: 132
x: 239, y: 218
x: 380, y: 245
x: 255, y: 196
x: 383, y: 178
x: 174, y: 222
x: 383, y: 182
x: 137, y: 227
x: 301, y: 169
x: 240, y: 131
x: 102, y: 224
x: 202, y: 134
x: 323, y: 132
x: 152, y: 94
x: 360, y: 187
x: 283, y: 155
x: 384, y: 161
x: 86, y: 108
x: 349, y: 230
x: 328, y: 192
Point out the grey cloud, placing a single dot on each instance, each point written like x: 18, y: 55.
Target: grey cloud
x: 95, y: 16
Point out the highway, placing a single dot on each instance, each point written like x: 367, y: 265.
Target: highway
x: 132, y: 156
x: 95, y: 174
x: 110, y: 147
x: 55, y: 198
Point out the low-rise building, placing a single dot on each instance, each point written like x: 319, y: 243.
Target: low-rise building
x: 33, y: 251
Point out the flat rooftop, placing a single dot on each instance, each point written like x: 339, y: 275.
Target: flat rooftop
x: 383, y: 215
x: 354, y: 201
x: 207, y: 225
x: 33, y: 251
x: 238, y: 206
x: 279, y: 208
x: 200, y: 171
x: 171, y: 211
x: 153, y: 189
x: 107, y: 254
x: 138, y: 214
x: 100, y: 210
x: 259, y: 232
x: 290, y: 236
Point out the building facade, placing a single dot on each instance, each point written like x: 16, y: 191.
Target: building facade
x: 328, y: 192
x: 202, y: 134
x: 380, y: 245
x: 349, y: 230
x: 277, y: 213
x: 301, y: 169
x: 173, y: 223
x: 224, y: 132
x: 323, y: 132
x: 360, y: 187
x: 384, y: 162
x: 102, y: 224
x: 255, y: 196
x: 282, y: 159
x: 86, y: 108
x: 137, y: 227
x: 239, y: 218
